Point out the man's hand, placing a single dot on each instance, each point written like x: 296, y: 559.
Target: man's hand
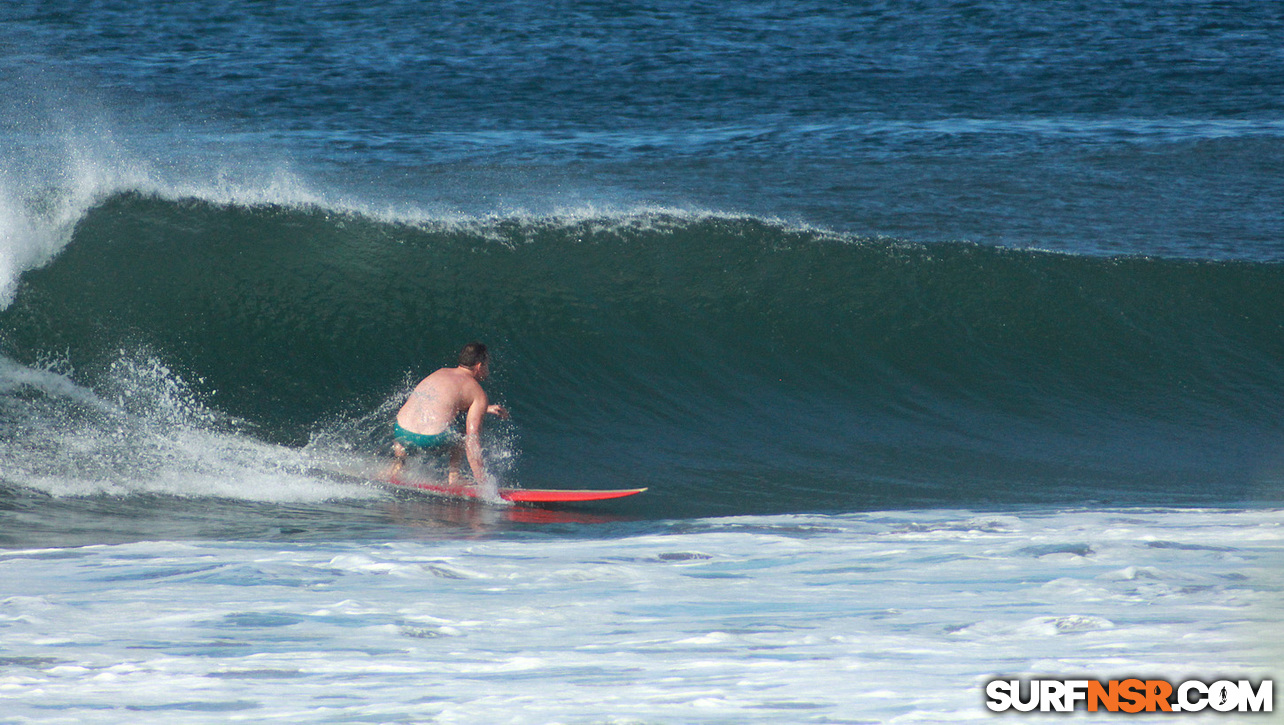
x: 498, y: 410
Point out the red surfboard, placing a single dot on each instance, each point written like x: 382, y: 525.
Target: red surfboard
x: 516, y: 495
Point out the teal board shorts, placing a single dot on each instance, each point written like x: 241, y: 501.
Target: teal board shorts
x: 427, y: 443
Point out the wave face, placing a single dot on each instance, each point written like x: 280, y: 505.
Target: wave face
x: 733, y: 364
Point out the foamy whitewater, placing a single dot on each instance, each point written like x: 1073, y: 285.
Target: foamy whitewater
x: 882, y: 617
x: 947, y: 339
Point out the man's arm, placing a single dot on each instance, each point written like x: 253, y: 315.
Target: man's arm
x: 472, y: 437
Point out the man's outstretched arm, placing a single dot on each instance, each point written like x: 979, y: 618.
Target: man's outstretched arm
x: 472, y: 438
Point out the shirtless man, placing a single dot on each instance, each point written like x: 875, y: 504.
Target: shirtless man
x: 425, y: 421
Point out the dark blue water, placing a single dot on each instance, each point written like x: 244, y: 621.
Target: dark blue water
x: 1104, y: 127
x: 762, y: 258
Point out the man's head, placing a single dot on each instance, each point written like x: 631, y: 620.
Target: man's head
x: 474, y: 353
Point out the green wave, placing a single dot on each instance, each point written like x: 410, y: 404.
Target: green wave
x: 733, y: 354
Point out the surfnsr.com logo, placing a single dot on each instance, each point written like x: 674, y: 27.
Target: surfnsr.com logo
x: 1128, y: 696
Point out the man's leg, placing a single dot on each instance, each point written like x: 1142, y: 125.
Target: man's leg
x: 399, y: 460
x: 456, y: 454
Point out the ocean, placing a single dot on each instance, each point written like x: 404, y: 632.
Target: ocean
x: 947, y: 338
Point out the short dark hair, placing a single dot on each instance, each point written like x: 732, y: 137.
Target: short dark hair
x: 473, y: 353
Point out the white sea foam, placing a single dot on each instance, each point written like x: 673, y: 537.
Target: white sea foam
x: 893, y: 617
x: 144, y: 431
x: 62, y: 151
x: 52, y: 177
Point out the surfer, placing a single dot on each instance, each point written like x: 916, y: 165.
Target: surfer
x: 426, y: 421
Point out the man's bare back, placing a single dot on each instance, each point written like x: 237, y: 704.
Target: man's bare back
x: 439, y: 398
x: 426, y: 418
